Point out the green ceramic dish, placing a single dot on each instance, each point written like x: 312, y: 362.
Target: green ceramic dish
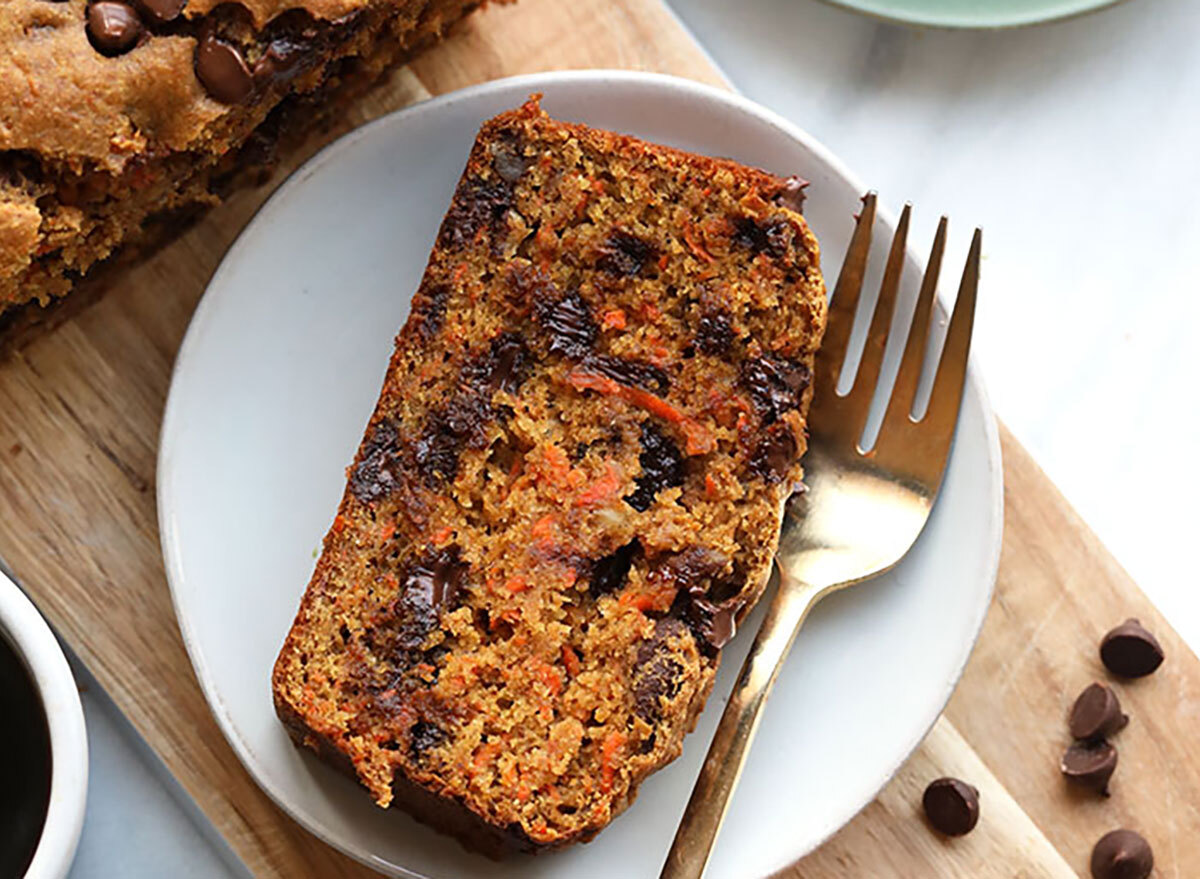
x: 974, y: 13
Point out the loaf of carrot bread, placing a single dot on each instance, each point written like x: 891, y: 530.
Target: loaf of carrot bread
x: 119, y: 116
x: 571, y: 487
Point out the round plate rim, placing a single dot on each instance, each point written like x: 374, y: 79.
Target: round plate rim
x: 995, y: 21
x: 523, y: 83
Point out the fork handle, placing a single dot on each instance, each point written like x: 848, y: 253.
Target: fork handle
x: 731, y: 742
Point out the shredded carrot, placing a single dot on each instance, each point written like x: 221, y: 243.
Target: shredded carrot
x: 522, y: 792
x: 698, y: 440
x: 387, y: 532
x: 486, y: 752
x: 710, y: 486
x: 654, y: 600
x: 556, y: 467
x: 509, y: 775
x: 548, y: 676
x: 516, y: 583
x: 602, y: 490
x: 339, y: 524
x: 460, y: 272
x: 543, y: 528
x: 662, y: 261
x: 608, y: 753
x: 695, y: 246
x: 570, y: 660
x: 614, y: 319
x: 650, y: 311
x: 442, y: 535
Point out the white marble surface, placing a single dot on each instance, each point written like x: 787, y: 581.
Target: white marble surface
x: 1075, y: 146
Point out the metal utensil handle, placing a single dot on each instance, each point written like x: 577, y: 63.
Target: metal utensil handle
x: 731, y: 742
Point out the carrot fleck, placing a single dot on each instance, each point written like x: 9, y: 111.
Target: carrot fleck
x: 460, y: 272
x: 516, y: 583
x: 710, y: 486
x: 650, y: 311
x: 602, y: 490
x: 608, y: 753
x: 339, y: 524
x: 662, y: 261
x: 695, y: 246
x: 698, y: 440
x: 543, y: 528
x: 614, y: 319
x: 570, y: 660
x: 387, y: 532
x: 522, y: 792
x: 442, y: 535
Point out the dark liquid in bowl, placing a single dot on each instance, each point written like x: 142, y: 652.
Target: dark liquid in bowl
x: 24, y: 765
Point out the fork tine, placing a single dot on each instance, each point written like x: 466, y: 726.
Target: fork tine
x: 909, y: 376
x: 869, y: 367
x: 952, y: 367
x: 844, y: 306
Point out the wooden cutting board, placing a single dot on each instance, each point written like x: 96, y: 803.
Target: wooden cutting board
x: 79, y: 416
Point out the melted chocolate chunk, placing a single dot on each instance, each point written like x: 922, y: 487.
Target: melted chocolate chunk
x: 508, y: 158
x: 222, y: 71
x: 656, y: 674
x: 160, y: 11
x: 608, y: 573
x: 952, y: 806
x: 429, y: 308
x: 113, y: 27
x: 377, y: 473
x: 1122, y: 854
x: 459, y: 423
x: 792, y: 194
x: 774, y: 454
x: 430, y: 585
x: 707, y: 601
x: 1130, y: 651
x: 423, y: 736
x: 714, y: 332
x: 662, y: 467
x: 624, y: 255
x: 477, y: 205
x: 775, y: 384
x: 1090, y: 765
x: 569, y: 323
x: 772, y: 237
x: 628, y: 371
x: 1096, y: 714
x: 504, y: 367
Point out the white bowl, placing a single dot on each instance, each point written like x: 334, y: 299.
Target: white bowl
x: 35, y: 645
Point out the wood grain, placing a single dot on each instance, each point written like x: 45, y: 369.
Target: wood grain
x: 79, y: 415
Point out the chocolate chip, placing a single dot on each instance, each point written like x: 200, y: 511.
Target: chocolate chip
x: 628, y: 371
x: 656, y: 674
x: 569, y: 323
x: 624, y: 255
x: 772, y: 237
x: 609, y: 573
x: 1096, y: 714
x: 714, y: 332
x: 662, y: 467
x: 377, y: 473
x: 160, y: 11
x: 774, y: 454
x: 1090, y: 765
x: 423, y: 736
x: 477, y: 205
x: 429, y: 309
x: 1130, y: 651
x: 952, y: 806
x: 460, y: 423
x: 775, y: 384
x: 1122, y: 854
x: 430, y: 585
x: 507, y: 159
x: 222, y: 71
x: 507, y: 363
x: 718, y: 622
x: 113, y: 27
x: 792, y: 194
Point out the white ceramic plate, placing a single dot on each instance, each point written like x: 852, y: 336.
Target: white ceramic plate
x: 273, y: 387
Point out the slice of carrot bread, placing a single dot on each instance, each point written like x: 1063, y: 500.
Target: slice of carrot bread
x: 570, y: 489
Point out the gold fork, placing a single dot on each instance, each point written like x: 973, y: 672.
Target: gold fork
x: 863, y: 508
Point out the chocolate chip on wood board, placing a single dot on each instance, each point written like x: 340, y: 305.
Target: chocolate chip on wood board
x: 1090, y: 766
x: 1130, y: 651
x: 1122, y: 854
x: 1096, y: 714
x: 952, y: 806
